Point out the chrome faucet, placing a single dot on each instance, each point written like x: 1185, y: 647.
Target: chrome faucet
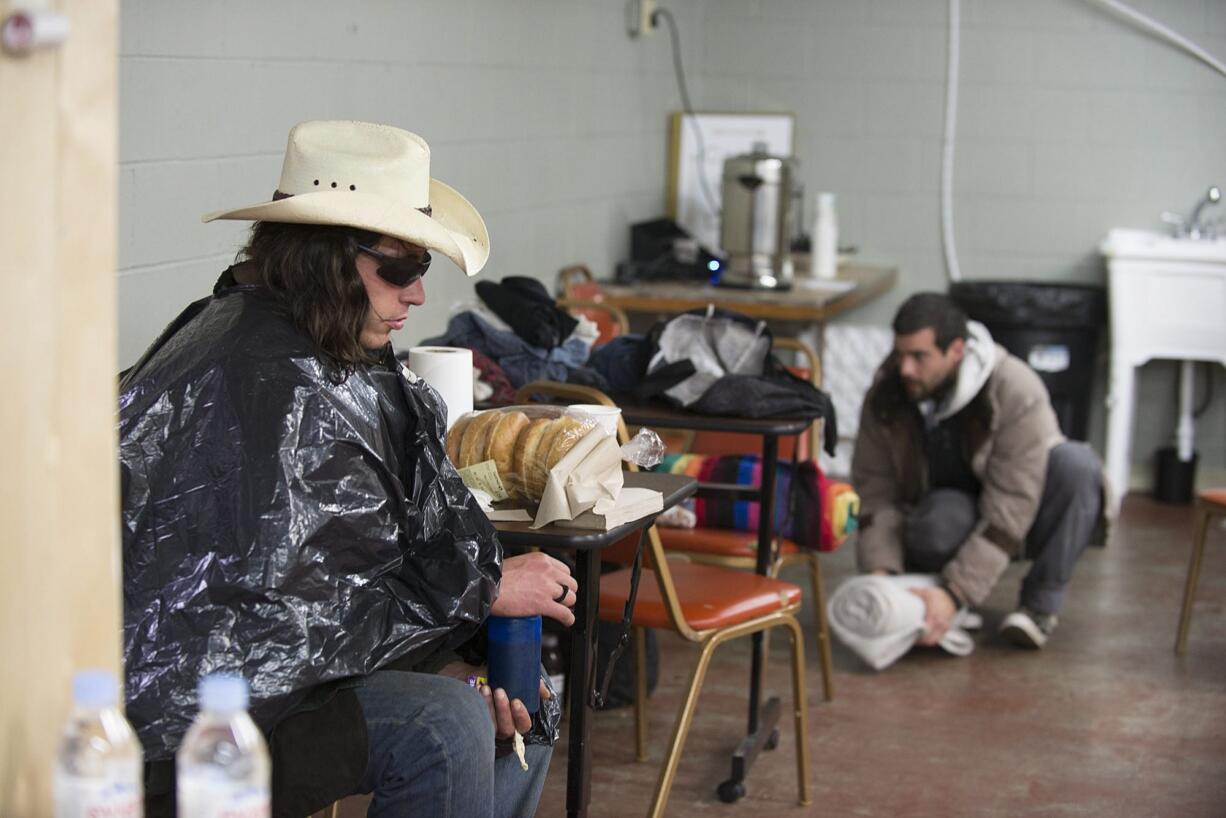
x: 1192, y: 227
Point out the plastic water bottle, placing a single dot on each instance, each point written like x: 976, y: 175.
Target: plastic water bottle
x: 98, y: 768
x: 222, y: 768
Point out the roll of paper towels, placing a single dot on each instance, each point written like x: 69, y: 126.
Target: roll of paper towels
x: 450, y: 371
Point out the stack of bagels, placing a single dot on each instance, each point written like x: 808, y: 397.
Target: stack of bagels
x: 523, y: 449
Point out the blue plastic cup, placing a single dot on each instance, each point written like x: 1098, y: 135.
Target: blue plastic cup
x: 515, y: 658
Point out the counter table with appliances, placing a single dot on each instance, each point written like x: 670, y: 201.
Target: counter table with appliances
x: 810, y: 302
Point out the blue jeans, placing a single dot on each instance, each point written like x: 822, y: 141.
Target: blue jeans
x: 432, y: 752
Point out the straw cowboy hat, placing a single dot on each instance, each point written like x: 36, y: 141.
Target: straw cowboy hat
x: 373, y: 177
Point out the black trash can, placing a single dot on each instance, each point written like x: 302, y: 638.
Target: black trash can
x: 1052, y: 327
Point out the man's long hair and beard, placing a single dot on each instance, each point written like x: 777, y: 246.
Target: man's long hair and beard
x: 918, y: 393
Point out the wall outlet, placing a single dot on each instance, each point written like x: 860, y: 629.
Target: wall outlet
x: 639, y: 14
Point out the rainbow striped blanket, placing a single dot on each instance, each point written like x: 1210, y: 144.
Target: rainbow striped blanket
x: 811, y: 510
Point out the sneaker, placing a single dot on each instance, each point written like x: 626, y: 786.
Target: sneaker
x: 1028, y: 629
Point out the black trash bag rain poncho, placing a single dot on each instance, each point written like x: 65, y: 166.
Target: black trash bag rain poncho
x: 282, y: 525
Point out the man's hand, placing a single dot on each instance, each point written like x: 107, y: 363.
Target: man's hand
x: 531, y: 586
x: 939, y: 611
x: 509, y: 715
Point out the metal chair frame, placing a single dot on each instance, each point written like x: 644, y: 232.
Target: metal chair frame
x: 1207, y: 509
x: 810, y: 559
x: 580, y: 274
x: 573, y: 273
x: 707, y: 640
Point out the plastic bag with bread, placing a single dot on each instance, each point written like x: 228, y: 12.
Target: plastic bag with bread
x: 523, y: 443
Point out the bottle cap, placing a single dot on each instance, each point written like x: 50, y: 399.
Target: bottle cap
x: 95, y: 688
x: 223, y: 692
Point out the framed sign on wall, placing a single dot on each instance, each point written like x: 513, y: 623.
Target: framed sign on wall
x: 698, y: 145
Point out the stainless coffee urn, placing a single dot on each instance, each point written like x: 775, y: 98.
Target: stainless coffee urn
x: 756, y: 226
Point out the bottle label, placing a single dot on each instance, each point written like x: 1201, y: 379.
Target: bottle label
x: 207, y: 797
x: 77, y: 797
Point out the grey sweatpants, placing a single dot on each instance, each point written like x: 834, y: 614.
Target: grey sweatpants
x: 1068, y: 513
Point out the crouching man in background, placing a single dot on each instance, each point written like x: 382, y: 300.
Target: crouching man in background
x: 961, y: 467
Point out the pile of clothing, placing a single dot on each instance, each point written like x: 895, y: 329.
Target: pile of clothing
x: 518, y: 334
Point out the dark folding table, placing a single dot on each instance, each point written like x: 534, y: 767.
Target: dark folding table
x: 586, y: 545
x: 763, y: 716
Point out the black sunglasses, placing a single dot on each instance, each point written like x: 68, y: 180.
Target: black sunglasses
x: 397, y: 270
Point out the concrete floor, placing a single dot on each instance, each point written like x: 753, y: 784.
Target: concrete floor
x: 1106, y: 721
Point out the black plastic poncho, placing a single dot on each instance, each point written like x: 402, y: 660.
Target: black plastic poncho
x: 280, y: 525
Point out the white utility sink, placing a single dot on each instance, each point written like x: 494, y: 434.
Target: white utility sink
x: 1167, y: 300
x: 1127, y: 243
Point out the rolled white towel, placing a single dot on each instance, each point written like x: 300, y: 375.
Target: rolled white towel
x: 880, y: 619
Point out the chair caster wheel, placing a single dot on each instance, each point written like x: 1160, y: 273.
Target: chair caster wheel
x: 731, y: 791
x: 772, y: 741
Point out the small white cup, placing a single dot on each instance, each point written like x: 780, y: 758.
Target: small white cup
x: 605, y: 416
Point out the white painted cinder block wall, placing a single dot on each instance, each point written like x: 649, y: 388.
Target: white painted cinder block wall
x: 554, y: 123
x: 543, y: 113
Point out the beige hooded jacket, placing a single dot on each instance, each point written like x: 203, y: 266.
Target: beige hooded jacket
x: 1009, y: 428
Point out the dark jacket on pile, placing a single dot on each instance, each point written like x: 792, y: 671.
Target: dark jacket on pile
x: 528, y: 308
x: 719, y: 362
x: 301, y: 531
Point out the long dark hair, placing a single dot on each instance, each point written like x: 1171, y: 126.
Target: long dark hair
x: 310, y: 269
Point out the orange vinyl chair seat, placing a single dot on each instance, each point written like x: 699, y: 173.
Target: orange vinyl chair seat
x: 734, y: 443
x: 720, y: 542
x: 710, y: 597
x: 1215, y: 496
x: 578, y: 284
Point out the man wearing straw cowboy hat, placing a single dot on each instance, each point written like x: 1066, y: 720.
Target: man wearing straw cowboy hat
x: 289, y: 512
